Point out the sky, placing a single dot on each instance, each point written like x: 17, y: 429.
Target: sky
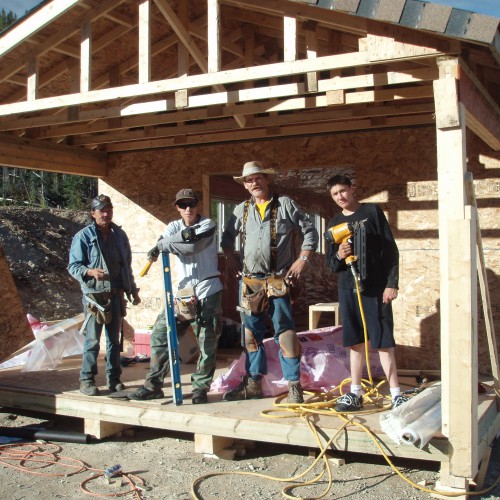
x: 491, y: 7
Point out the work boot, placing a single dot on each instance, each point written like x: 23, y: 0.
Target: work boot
x: 88, y: 388
x: 199, y: 397
x: 295, y: 394
x: 116, y: 386
x: 144, y: 393
x: 248, y: 388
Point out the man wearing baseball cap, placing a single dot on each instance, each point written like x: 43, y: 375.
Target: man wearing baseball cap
x: 268, y: 264
x: 192, y: 239
x: 100, y: 259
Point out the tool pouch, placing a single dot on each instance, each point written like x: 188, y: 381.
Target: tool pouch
x: 185, y: 304
x: 104, y: 300
x: 277, y: 287
x: 254, y: 295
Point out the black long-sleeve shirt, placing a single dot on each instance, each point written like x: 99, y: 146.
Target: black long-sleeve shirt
x: 382, y: 255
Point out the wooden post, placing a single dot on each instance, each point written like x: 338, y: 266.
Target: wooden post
x: 458, y: 281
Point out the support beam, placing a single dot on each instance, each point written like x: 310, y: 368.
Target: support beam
x: 329, y: 86
x: 230, y: 134
x: 482, y: 112
x: 85, y: 57
x: 144, y: 42
x: 214, y: 52
x: 458, y: 307
x: 485, y: 291
x: 25, y: 153
x: 182, y: 32
x: 32, y: 87
x: 182, y: 51
x: 310, y: 29
x: 290, y: 38
x: 213, y: 79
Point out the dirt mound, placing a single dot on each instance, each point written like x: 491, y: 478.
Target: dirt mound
x: 36, y: 242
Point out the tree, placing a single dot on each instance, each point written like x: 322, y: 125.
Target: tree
x: 38, y: 188
x: 6, y: 19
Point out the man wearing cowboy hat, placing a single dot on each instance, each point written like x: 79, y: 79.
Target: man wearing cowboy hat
x: 267, y: 224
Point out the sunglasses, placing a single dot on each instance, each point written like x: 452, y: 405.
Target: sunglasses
x: 187, y: 204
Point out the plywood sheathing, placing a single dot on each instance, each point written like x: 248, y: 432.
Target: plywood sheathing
x: 15, y: 331
x: 396, y: 169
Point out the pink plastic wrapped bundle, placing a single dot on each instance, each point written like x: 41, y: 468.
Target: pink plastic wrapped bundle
x: 324, y: 364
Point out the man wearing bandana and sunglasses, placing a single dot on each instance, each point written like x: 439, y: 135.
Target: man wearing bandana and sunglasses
x: 192, y: 239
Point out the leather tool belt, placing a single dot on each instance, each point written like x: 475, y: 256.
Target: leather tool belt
x: 255, y: 292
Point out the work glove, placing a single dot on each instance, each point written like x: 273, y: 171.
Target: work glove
x: 189, y: 234
x: 153, y: 254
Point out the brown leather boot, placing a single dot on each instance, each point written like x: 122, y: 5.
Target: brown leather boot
x: 247, y: 389
x: 295, y: 394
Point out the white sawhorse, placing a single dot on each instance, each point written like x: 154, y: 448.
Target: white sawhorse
x: 315, y: 311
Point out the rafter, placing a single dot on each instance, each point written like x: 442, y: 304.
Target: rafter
x: 327, y: 114
x: 388, y: 78
x: 60, y: 36
x: 270, y: 132
x: 34, y: 23
x: 196, y: 81
x: 186, y: 39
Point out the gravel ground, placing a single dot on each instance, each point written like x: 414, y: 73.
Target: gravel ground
x: 168, y: 465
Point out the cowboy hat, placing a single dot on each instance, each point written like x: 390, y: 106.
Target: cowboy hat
x: 251, y: 168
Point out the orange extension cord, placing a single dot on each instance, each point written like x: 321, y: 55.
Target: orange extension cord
x: 36, y: 458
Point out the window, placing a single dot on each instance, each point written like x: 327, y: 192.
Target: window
x: 220, y: 211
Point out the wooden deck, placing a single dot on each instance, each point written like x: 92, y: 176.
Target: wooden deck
x: 56, y: 392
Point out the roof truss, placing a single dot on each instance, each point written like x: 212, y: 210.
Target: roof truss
x: 213, y: 70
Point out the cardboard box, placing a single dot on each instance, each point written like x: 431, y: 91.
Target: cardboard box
x: 188, y: 347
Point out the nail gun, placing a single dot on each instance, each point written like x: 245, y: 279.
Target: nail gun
x: 354, y: 234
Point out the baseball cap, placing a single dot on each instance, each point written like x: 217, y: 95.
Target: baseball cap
x: 185, y: 194
x: 101, y: 201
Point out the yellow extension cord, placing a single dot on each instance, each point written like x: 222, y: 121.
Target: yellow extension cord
x: 324, y: 406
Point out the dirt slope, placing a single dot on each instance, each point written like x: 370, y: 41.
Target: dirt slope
x: 36, y: 243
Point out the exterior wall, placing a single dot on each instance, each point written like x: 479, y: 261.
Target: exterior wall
x: 394, y: 168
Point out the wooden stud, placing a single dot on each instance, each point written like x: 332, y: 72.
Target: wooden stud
x: 144, y: 41
x: 213, y: 37
x: 85, y: 57
x: 290, y: 38
x: 32, y: 81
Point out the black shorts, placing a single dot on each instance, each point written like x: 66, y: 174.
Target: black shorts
x: 378, y: 317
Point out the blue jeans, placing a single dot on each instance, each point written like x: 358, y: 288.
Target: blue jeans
x: 280, y: 312
x: 91, y: 346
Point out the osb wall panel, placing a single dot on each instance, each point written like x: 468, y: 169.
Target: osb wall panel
x: 15, y: 331
x: 395, y: 168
